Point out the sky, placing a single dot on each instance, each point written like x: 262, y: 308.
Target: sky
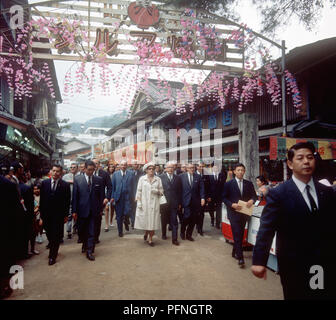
x: 81, y: 109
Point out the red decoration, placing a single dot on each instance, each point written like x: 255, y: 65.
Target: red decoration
x: 143, y: 16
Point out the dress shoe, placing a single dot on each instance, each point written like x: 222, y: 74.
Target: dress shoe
x: 190, y: 239
x: 176, y: 243
x: 106, y: 230
x: 90, y: 257
x: 145, y: 237
x: 217, y: 226
x: 51, y: 261
x: 241, y: 263
x: 201, y: 233
x: 164, y: 237
x: 83, y: 249
x: 170, y: 228
x: 151, y: 244
x: 121, y: 235
x: 79, y: 241
x: 48, y: 246
x: 126, y: 227
x: 182, y: 236
x: 69, y: 236
x: 97, y: 241
x: 234, y: 254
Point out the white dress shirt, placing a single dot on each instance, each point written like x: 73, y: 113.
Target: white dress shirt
x: 87, y: 178
x: 302, y: 188
x: 240, y: 186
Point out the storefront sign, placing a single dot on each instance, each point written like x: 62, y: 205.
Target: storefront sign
x: 279, y: 147
x: 227, y: 118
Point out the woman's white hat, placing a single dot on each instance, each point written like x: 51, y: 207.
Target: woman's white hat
x: 149, y: 164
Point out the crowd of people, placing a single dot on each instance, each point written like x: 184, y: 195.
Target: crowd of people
x: 151, y: 198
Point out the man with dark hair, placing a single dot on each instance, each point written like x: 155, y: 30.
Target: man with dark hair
x: 87, y: 203
x: 108, y: 191
x: 233, y: 191
x: 294, y: 209
x: 54, y: 207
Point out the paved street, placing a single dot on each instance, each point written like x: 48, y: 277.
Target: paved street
x: 127, y: 268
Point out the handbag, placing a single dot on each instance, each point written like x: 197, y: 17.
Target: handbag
x: 163, y: 199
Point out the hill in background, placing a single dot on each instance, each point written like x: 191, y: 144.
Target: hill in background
x: 99, y: 122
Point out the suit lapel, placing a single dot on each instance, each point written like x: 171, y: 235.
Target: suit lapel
x: 294, y: 191
x: 319, y: 193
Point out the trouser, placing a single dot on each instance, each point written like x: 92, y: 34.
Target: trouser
x: 165, y: 218
x: 86, y: 232
x: 189, y: 220
x: 174, y: 223
x: 132, y: 214
x: 53, y: 232
x: 200, y: 219
x: 180, y: 215
x: 238, y: 229
x: 122, y: 216
x: 98, y: 227
x: 216, y: 207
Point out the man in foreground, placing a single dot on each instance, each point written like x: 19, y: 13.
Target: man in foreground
x: 302, y: 213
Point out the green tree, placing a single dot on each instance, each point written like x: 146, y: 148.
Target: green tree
x: 275, y: 13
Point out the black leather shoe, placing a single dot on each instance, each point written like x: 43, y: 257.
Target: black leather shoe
x: 90, y: 257
x: 201, y: 233
x: 164, y: 237
x: 241, y: 263
x: 51, y: 262
x: 79, y: 241
x: 234, y: 254
x: 97, y: 241
x: 151, y: 244
x: 126, y: 227
x: 121, y: 235
x: 182, y: 236
x: 145, y: 237
x: 176, y: 243
x: 83, y: 249
x: 170, y: 228
x: 190, y: 239
x: 217, y: 226
x: 69, y: 236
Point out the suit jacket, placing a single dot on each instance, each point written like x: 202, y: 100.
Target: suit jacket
x: 106, y: 182
x: 302, y: 238
x: 171, y: 190
x: 216, y: 187
x: 206, y: 181
x: 85, y: 201
x: 117, y: 185
x: 54, y: 208
x: 27, y: 195
x: 192, y: 195
x: 231, y: 194
x: 137, y: 174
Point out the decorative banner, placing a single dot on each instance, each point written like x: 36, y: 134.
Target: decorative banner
x: 279, y: 147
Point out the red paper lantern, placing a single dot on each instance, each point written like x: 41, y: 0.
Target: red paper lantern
x: 143, y: 16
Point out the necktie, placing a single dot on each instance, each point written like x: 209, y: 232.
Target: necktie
x: 89, y: 183
x: 313, y: 205
x: 54, y: 186
x: 240, y: 187
x: 170, y: 177
x: 191, y: 180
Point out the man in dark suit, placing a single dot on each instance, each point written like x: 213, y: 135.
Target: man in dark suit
x: 302, y: 213
x: 206, y: 181
x: 108, y: 191
x: 87, y: 204
x: 55, y: 198
x: 216, y: 180
x: 193, y: 198
x: 137, y: 172
x: 122, y: 191
x: 233, y: 191
x: 172, y: 192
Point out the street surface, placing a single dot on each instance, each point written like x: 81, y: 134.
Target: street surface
x: 128, y: 268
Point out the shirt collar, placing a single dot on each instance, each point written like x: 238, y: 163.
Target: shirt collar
x: 301, y: 185
x: 239, y: 179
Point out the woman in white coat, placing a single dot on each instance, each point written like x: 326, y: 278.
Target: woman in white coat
x: 149, y: 192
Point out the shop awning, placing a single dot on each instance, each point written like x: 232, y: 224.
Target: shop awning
x: 280, y: 145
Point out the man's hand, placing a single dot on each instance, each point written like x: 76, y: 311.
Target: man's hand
x: 40, y: 223
x: 259, y: 271
x: 235, y: 206
x: 105, y: 201
x: 112, y: 200
x: 202, y: 202
x: 209, y: 199
x: 74, y: 215
x: 249, y: 203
